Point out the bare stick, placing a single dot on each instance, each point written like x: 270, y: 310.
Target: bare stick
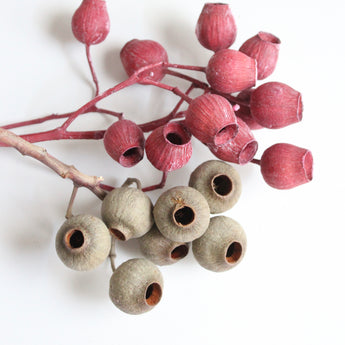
x: 112, y: 254
x: 62, y: 169
x: 71, y: 201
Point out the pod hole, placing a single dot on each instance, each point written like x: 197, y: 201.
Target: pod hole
x: 153, y: 294
x: 75, y: 239
x: 308, y: 165
x: 265, y: 36
x: 248, y: 152
x: 233, y: 252
x: 118, y: 234
x: 131, y: 156
x: 184, y: 216
x: 174, y: 138
x: 179, y: 252
x: 222, y: 185
x: 226, y: 134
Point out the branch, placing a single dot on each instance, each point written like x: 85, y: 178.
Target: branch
x: 62, y: 169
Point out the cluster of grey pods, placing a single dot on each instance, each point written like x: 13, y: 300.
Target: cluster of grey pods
x: 180, y: 219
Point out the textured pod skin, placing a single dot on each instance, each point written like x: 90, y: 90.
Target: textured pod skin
x: 276, y: 105
x: 136, y: 286
x: 83, y: 242
x: 181, y: 214
x: 127, y: 212
x: 169, y: 147
x: 160, y: 250
x: 216, y: 28
x: 286, y: 166
x: 231, y: 71
x: 90, y: 22
x: 211, y: 119
x: 219, y: 183
x: 241, y: 149
x: 222, y: 246
x: 264, y: 48
x: 139, y: 53
x: 244, y: 112
x: 124, y: 141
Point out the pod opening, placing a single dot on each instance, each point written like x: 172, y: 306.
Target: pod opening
x: 222, y: 185
x: 308, y: 165
x: 174, y: 138
x: 74, y: 239
x: 248, y: 152
x: 265, y: 36
x: 176, y: 134
x: 131, y: 156
x: 184, y: 216
x: 118, y: 234
x: 233, y: 252
x: 179, y: 252
x: 226, y: 134
x: 153, y: 294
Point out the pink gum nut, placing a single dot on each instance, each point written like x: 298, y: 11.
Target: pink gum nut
x: 276, y: 105
x: 139, y: 53
x: 169, y: 147
x: 264, y: 48
x: 244, y: 112
x: 231, y: 71
x: 90, y: 22
x: 286, y: 166
x: 124, y: 141
x: 211, y: 119
x: 240, y: 150
x: 216, y: 28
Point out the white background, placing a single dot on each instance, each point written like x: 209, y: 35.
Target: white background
x: 289, y: 289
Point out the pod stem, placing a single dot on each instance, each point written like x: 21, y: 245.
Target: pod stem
x: 112, y: 254
x: 131, y: 180
x: 71, y: 202
x: 161, y: 184
x: 92, y: 70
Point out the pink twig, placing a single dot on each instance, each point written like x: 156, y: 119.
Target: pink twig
x: 93, y: 73
x: 159, y: 185
x: 191, y: 68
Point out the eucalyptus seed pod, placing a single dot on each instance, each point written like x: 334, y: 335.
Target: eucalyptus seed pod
x: 136, y: 286
x: 127, y: 211
x: 161, y: 250
x: 222, y: 246
x: 181, y: 214
x: 83, y: 242
x: 219, y: 183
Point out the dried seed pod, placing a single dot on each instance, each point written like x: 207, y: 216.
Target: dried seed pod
x: 181, y: 214
x: 231, y: 71
x: 264, y: 48
x: 286, y: 166
x: 169, y: 147
x: 244, y: 112
x: 90, y: 22
x: 127, y: 211
x: 83, y: 242
x: 211, y: 119
x: 241, y: 149
x: 124, y: 141
x: 216, y: 28
x: 222, y: 246
x: 160, y: 250
x: 276, y: 105
x: 139, y: 53
x: 219, y: 183
x: 136, y: 286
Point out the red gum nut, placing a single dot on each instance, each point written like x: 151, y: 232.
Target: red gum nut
x: 211, y: 119
x: 90, y: 22
x: 240, y: 150
x: 169, y: 147
x: 244, y: 112
x: 139, y: 53
x: 264, y: 48
x: 286, y: 166
x: 231, y: 71
x: 276, y: 105
x: 124, y: 141
x: 216, y: 28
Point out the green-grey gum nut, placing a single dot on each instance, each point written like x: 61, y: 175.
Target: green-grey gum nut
x: 222, y: 246
x: 136, y: 286
x: 83, y: 242
x: 127, y: 212
x: 160, y: 250
x: 181, y: 214
x: 219, y: 183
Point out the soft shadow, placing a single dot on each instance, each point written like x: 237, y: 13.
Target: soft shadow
x: 113, y: 65
x: 59, y: 27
